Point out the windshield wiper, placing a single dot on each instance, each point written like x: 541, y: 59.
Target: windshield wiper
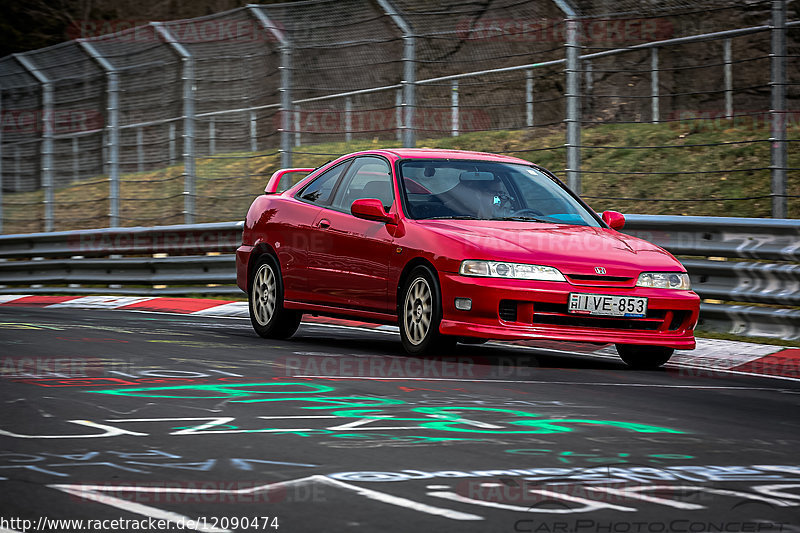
x: 454, y: 217
x: 523, y: 219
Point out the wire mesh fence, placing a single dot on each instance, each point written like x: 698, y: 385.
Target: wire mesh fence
x: 663, y: 107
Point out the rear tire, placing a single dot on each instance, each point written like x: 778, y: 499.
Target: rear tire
x: 420, y: 313
x: 265, y: 298
x: 644, y: 357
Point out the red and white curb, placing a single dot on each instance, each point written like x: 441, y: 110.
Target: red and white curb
x: 711, y: 354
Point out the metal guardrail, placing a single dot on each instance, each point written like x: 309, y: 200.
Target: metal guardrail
x: 121, y: 261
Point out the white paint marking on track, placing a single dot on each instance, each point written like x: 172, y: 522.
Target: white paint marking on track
x: 542, y: 382
x: 88, y: 493
x: 589, y: 505
x: 4, y: 299
x: 238, y: 309
x: 101, y: 302
x: 403, y: 502
x: 95, y: 493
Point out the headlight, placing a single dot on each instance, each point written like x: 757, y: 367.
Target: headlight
x: 495, y: 269
x: 664, y: 280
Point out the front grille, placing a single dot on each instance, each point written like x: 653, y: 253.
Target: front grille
x: 556, y: 315
x: 617, y: 279
x: 508, y: 310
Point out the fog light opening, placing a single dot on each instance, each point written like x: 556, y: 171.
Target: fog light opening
x: 464, y: 304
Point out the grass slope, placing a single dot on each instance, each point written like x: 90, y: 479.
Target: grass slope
x: 227, y: 183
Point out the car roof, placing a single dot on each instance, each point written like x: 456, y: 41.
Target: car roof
x: 435, y: 153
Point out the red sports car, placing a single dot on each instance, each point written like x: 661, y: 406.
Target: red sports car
x: 457, y: 246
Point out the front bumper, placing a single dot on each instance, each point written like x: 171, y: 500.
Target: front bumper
x: 520, y: 309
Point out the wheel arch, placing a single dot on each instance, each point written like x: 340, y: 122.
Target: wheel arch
x: 259, y: 250
x: 407, y: 269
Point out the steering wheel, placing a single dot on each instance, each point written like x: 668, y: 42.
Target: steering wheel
x: 525, y: 212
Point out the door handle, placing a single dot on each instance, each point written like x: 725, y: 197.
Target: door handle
x: 324, y: 223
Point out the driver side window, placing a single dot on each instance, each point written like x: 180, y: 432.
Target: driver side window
x: 368, y: 177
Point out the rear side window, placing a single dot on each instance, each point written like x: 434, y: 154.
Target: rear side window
x: 320, y: 189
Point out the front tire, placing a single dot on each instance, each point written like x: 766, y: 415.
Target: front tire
x: 644, y: 357
x: 265, y: 298
x: 420, y: 313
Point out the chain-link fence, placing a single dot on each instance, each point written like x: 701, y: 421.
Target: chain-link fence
x: 662, y: 107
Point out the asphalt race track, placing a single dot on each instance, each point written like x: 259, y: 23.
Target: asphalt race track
x: 159, y: 422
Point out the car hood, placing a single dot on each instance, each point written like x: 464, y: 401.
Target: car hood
x: 575, y: 250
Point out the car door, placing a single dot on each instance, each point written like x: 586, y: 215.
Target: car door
x: 293, y: 237
x: 348, y: 256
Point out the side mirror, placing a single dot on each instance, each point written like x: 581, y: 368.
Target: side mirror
x: 614, y: 220
x: 371, y: 209
x: 275, y: 180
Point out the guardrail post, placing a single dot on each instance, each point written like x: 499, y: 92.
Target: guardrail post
x: 728, y: 61
x: 778, y: 112
x: 286, y: 83
x: 348, y: 119
x: 111, y: 132
x: 189, y: 170
x: 654, y: 85
x: 212, y: 141
x: 47, y: 137
x: 529, y: 98
x: 454, y: 108
x: 409, y: 81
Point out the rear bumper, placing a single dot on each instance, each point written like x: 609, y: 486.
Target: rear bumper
x: 243, y: 254
x: 537, y: 310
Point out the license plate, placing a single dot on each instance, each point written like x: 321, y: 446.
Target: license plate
x: 607, y: 305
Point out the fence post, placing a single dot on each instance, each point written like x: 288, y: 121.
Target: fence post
x: 47, y: 137
x: 187, y: 62
x: 17, y: 168
x: 728, y: 60
x: 111, y: 137
x: 212, y: 141
x: 454, y: 108
x: 573, y: 118
x: 409, y: 81
x: 654, y: 85
x: 172, y: 149
x: 587, y: 66
x: 529, y: 98
x: 286, y: 84
x: 75, y: 163
x: 253, y: 132
x: 398, y: 113
x: 140, y: 149
x: 348, y: 119
x: 297, y: 133
x: 778, y: 109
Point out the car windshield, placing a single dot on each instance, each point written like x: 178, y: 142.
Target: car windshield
x: 486, y: 190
